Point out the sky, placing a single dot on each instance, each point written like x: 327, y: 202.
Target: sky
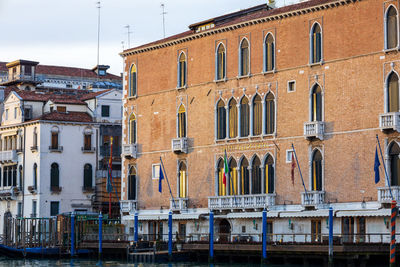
x: 64, y: 33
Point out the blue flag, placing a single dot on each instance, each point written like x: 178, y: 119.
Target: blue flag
x: 376, y: 166
x: 160, y: 180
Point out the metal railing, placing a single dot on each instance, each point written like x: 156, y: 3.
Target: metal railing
x: 241, y: 201
x: 273, y: 238
x: 105, y: 151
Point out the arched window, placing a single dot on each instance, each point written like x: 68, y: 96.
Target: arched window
x: 257, y: 115
x: 182, y: 70
x: 316, y: 103
x: 269, y: 175
x: 35, y: 176
x: 244, y: 117
x: 87, y: 176
x: 181, y: 121
x: 244, y: 58
x: 393, y: 93
x: 233, y: 118
x: 132, y: 183
x: 394, y: 164
x: 34, y: 141
x: 182, y: 180
x: 220, y: 62
x: 316, y: 171
x: 221, y: 120
x: 233, y: 180
x: 391, y: 28
x: 316, y: 44
x: 132, y: 129
x: 269, y: 114
x: 221, y: 186
x: 245, y: 177
x: 54, y: 177
x: 269, y: 53
x: 54, y: 137
x: 87, y: 139
x: 133, y: 81
x: 256, y: 176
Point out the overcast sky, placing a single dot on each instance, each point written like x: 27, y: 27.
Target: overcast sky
x: 64, y: 33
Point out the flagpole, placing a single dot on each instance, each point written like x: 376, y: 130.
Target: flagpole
x: 166, y: 177
x: 384, y: 167
x: 301, y: 176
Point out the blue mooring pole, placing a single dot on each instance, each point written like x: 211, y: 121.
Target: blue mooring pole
x: 330, y: 236
x: 100, y: 235
x: 135, y: 237
x: 72, y: 234
x: 170, y: 235
x: 211, y: 232
x: 264, y: 235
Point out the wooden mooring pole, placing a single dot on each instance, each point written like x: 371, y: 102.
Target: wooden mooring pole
x: 393, y: 234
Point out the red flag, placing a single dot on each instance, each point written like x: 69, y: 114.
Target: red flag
x: 226, y: 169
x: 293, y: 167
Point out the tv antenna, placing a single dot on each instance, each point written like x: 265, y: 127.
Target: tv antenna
x: 129, y: 35
x: 163, y: 17
x: 98, y: 33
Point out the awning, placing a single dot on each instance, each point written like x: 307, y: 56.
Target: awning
x: 305, y: 213
x: 362, y: 213
x: 244, y: 215
x: 186, y: 216
x: 153, y: 217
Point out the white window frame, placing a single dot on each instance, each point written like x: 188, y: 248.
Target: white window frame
x: 289, y: 153
x: 155, y: 171
x: 294, y: 86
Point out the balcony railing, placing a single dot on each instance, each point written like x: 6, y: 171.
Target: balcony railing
x: 129, y: 150
x: 18, y: 77
x: 314, y: 129
x: 180, y: 204
x: 384, y: 194
x: 128, y: 206
x: 104, y: 173
x: 390, y: 121
x: 8, y: 156
x: 312, y: 198
x: 241, y: 202
x: 105, y: 151
x: 9, y: 193
x: 180, y: 145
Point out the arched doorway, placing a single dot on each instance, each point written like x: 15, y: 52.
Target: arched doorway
x: 224, y: 231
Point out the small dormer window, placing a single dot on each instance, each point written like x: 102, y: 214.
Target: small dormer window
x: 102, y: 72
x: 62, y: 109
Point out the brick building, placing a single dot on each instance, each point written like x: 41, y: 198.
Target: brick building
x: 321, y: 75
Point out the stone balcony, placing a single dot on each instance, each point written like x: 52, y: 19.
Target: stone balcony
x: 10, y: 193
x: 8, y: 156
x: 384, y: 196
x: 128, y: 206
x: 390, y: 121
x: 241, y: 202
x: 312, y: 198
x: 129, y: 150
x: 181, y: 204
x: 314, y: 129
x: 179, y: 145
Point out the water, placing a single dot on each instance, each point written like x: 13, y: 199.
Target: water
x: 106, y: 263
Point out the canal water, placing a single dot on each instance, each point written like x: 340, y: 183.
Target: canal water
x: 86, y: 263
